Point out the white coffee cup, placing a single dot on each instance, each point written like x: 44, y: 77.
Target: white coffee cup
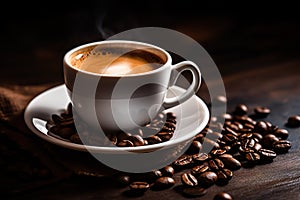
x: 113, y: 101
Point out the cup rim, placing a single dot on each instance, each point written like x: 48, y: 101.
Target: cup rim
x: 73, y: 50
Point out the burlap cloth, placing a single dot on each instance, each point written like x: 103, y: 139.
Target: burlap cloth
x: 28, y: 162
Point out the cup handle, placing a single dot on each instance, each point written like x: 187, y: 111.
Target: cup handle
x: 177, y: 69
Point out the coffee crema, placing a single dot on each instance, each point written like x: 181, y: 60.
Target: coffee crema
x: 117, y: 61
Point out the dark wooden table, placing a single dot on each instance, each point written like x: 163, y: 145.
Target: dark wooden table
x: 258, y: 60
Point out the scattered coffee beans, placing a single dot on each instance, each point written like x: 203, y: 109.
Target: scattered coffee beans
x: 243, y: 141
x: 293, y: 121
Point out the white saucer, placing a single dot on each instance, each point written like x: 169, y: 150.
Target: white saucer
x: 192, y: 117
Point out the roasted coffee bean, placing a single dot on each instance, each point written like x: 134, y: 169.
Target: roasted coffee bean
x: 171, y: 115
x: 257, y: 146
x: 188, y: 179
x: 163, y: 183
x: 222, y: 196
x: 199, y: 137
x: 207, y: 179
x: 200, y: 157
x: 139, y: 186
x: 217, y: 152
x: 194, y: 191
x: 268, y: 141
x: 125, y: 143
x: 165, y: 135
x: 222, y: 178
x: 241, y: 109
x: 168, y: 171
x: 230, y: 162
x: 199, y: 169
x: 183, y: 162
x: 228, y: 173
x: 261, y: 127
x: 267, y: 155
x: 281, y: 133
x: 245, y: 150
x: 282, y: 146
x: 194, y: 148
x: 229, y: 138
x: 258, y: 136
x: 248, y: 143
x: 137, y: 140
x: 215, y: 164
x: 153, y: 139
x: 252, y: 157
x: 293, y: 121
x: 262, y: 111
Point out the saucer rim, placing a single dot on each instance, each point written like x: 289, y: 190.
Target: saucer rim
x: 99, y: 149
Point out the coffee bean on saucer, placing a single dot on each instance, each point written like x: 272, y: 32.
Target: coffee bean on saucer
x: 153, y: 139
x: 222, y: 196
x: 293, y: 121
x: 262, y: 111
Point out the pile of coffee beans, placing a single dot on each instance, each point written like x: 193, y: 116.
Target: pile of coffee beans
x: 244, y: 140
x: 160, y: 129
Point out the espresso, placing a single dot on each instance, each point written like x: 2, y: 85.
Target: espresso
x: 117, y: 61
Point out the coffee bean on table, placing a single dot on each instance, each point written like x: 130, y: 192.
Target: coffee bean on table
x: 230, y: 162
x: 223, y: 196
x: 241, y: 109
x: 200, y: 157
x: 261, y: 111
x: 268, y: 141
x: 139, y: 186
x: 183, y: 162
x: 168, y: 171
x: 281, y: 133
x: 188, y: 179
x: 163, y: 183
x: 199, y: 169
x: 267, y: 155
x: 293, y: 121
x: 207, y: 179
x: 282, y: 146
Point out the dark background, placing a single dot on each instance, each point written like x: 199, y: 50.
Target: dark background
x: 34, y: 37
